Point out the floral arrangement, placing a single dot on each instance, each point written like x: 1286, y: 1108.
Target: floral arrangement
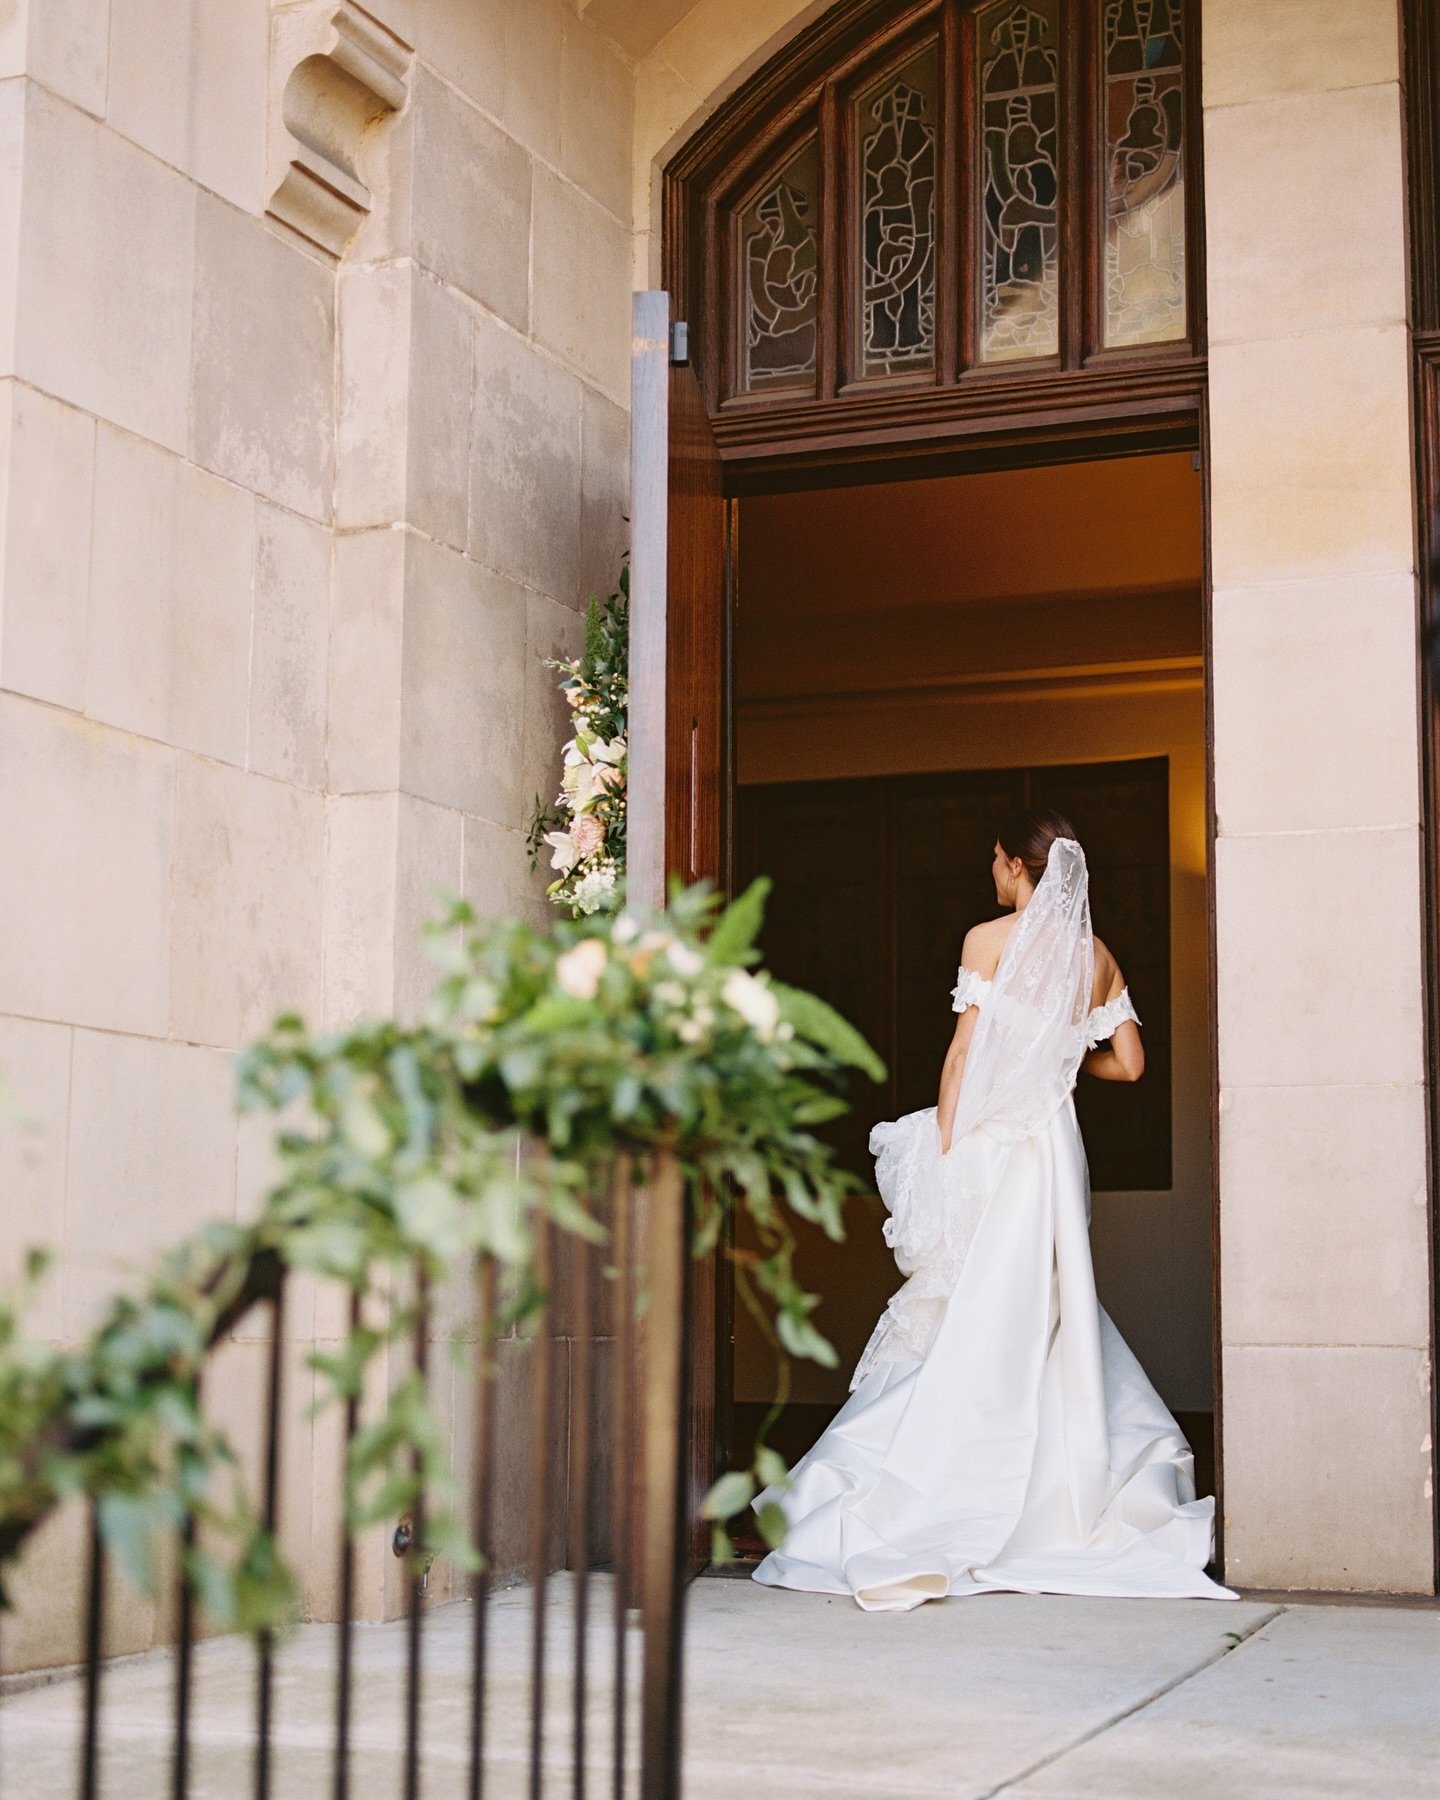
x: 624, y: 1034
x: 585, y: 828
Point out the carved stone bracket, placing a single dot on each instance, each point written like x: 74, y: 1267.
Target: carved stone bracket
x: 346, y: 70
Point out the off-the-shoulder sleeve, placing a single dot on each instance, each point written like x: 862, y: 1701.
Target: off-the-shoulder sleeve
x: 969, y: 990
x: 1104, y: 1020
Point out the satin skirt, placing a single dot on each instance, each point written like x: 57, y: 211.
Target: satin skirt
x: 1025, y: 1450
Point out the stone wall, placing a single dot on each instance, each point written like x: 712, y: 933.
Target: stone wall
x: 295, y: 503
x: 1324, y: 1291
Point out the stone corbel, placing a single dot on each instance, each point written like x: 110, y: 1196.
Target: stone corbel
x: 346, y: 70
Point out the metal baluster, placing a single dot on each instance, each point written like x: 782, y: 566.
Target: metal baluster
x: 184, y: 1654
x: 265, y: 1672
x: 343, y: 1673
x: 622, y: 1204
x: 94, y: 1647
x: 581, y: 1407
x: 415, y: 1563
x: 481, y: 1494
x: 540, y: 1505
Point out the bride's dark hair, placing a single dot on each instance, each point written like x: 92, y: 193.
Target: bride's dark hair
x: 1030, y: 834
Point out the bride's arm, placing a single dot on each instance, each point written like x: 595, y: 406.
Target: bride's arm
x: 1123, y: 1058
x: 953, y: 1073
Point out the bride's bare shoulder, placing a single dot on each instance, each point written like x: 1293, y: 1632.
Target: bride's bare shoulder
x: 984, y: 943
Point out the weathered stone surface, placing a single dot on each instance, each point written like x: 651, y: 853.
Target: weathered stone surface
x: 604, y: 492
x: 290, y: 648
x: 359, y: 907
x: 596, y: 107
x: 525, y: 464
x: 1260, y: 52
x: 366, y: 638
x: 249, y: 858
x: 51, y: 464
x: 428, y: 872
x: 470, y: 203
x: 463, y: 709
x: 263, y: 361
x: 168, y: 633
x: 85, y: 884
x: 581, y: 298
x: 35, y: 1094
x: 106, y: 274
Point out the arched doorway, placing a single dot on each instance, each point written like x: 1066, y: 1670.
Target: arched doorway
x: 948, y: 245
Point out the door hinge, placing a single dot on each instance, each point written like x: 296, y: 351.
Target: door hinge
x: 679, y: 341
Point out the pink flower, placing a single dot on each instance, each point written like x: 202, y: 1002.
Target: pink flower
x: 587, y: 834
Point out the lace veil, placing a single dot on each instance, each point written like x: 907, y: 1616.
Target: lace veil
x: 1027, y: 1046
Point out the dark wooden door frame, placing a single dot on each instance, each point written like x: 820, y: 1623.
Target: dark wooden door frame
x: 1090, y: 408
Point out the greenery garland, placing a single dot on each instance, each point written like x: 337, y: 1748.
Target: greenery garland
x: 585, y: 827
x: 398, y: 1151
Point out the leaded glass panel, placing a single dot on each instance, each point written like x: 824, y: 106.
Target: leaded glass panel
x: 895, y: 136
x: 1019, y: 180
x: 779, y: 272
x: 1145, y: 172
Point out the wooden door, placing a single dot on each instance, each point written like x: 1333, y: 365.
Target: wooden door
x: 680, y: 566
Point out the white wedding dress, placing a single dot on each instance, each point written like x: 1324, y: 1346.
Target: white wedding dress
x: 999, y: 1433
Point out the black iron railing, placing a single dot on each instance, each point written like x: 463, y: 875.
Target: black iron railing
x: 638, y: 1277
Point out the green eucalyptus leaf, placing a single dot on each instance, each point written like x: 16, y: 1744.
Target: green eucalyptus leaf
x: 731, y: 1494
x: 733, y: 937
x: 772, y: 1523
x: 820, y: 1024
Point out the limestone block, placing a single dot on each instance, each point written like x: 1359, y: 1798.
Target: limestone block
x: 85, y: 879
x: 1310, y: 456
x: 428, y: 864
x: 236, y: 1397
x: 372, y: 415
x: 470, y: 201
x: 498, y: 880
x: 168, y: 635
x: 1323, y: 1204
x: 51, y: 461
x: 366, y: 635
x: 1334, y: 172
x: 534, y: 37
x: 262, y: 369
x: 188, y: 81
x: 604, y: 492
x: 1327, y: 1459
x: 582, y: 284
x: 106, y: 274
x: 1319, y: 958
x: 438, y: 426
x: 62, y: 44
x: 596, y: 108
x: 338, y: 69
x: 152, y: 1157
x: 1257, y: 52
x: 12, y: 150
x: 288, y: 674
x: 1315, y: 723
x: 463, y: 702
x: 552, y: 633
x: 466, y: 45
x: 246, y: 936
x: 637, y: 29
x: 34, y: 1123
x: 359, y: 960
x: 525, y: 464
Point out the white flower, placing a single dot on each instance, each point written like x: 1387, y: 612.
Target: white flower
x: 595, y: 887
x: 754, y: 1002
x: 626, y: 929
x: 565, y: 854
x: 690, y: 1031
x: 682, y: 959
x: 669, y: 993
x: 613, y: 752
x: 578, y: 970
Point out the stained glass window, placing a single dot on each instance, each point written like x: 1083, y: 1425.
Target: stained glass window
x: 1145, y: 172
x: 1019, y: 180
x: 779, y: 258
x: 895, y: 135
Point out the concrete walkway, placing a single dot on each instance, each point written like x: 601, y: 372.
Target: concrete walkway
x: 795, y: 1694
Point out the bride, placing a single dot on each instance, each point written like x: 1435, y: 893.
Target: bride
x: 999, y: 1433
